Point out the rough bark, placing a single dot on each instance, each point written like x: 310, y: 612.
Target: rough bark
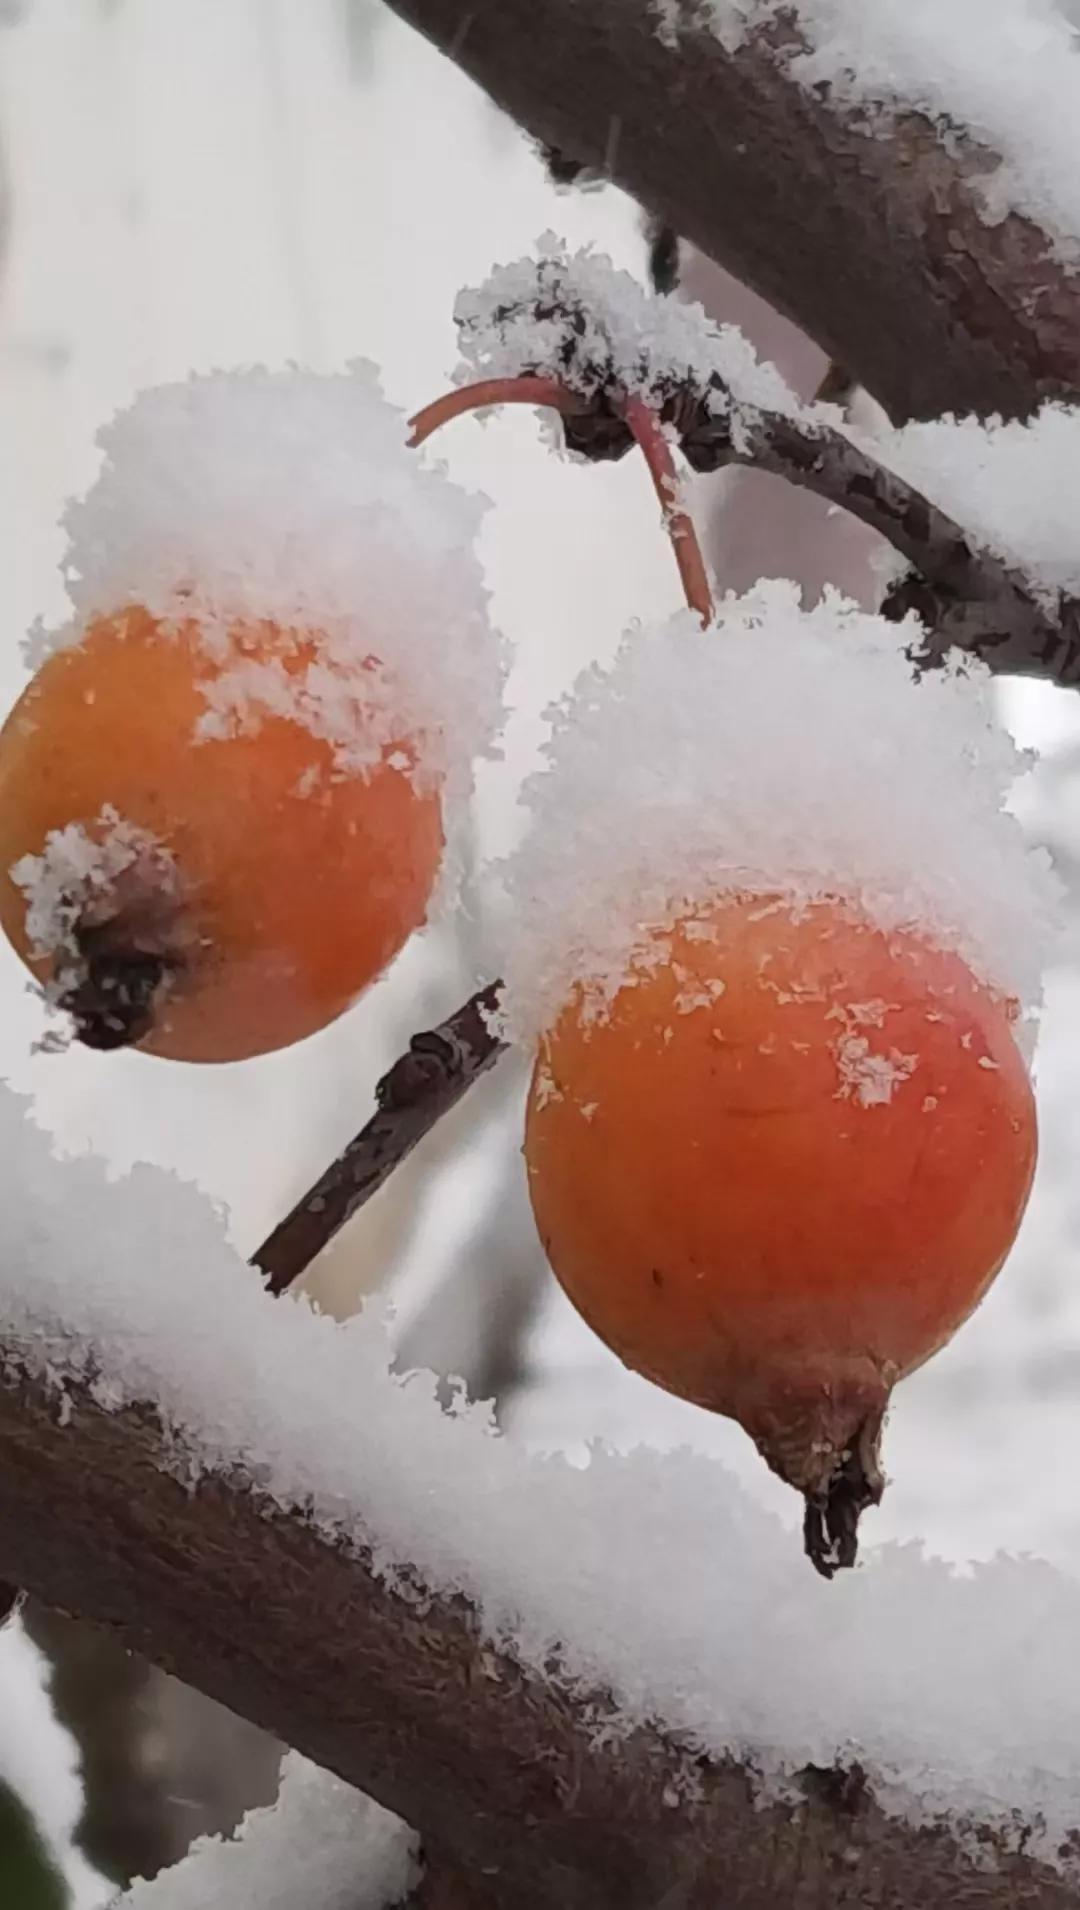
x: 874, y: 244
x: 497, y: 1767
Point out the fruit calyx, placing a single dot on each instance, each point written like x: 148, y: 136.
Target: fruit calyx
x: 104, y: 913
x: 112, y: 988
x: 831, y: 1518
x: 826, y: 1442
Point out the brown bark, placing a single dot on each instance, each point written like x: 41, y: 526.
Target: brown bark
x: 497, y: 1767
x: 873, y: 244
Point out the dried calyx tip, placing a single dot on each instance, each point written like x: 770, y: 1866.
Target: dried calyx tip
x: 831, y: 1519
x: 825, y: 1441
x: 112, y: 993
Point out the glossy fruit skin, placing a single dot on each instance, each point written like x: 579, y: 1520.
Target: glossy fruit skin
x: 727, y: 1210
x: 299, y: 883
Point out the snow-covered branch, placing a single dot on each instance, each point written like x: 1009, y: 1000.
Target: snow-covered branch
x: 938, y: 270
x: 965, y: 594
x: 535, y: 1789
x: 493, y: 1645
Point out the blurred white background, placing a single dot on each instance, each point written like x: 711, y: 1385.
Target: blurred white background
x: 191, y: 184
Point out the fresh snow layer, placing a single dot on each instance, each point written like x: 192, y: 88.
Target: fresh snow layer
x: 241, y: 496
x: 783, y: 750
x: 574, y: 316
x: 322, y: 1846
x: 1006, y: 70
x: 653, y: 1574
x: 1010, y: 485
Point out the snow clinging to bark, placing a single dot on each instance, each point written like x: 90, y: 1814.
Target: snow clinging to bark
x: 958, y: 1694
x: 1008, y: 71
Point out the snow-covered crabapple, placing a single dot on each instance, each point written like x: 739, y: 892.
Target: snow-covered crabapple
x: 202, y: 896
x: 781, y: 1168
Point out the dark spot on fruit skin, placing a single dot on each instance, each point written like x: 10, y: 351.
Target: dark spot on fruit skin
x: 657, y: 1277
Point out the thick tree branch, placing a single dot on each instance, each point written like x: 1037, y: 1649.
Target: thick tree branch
x: 874, y: 244
x: 499, y: 1769
x: 423, y: 1085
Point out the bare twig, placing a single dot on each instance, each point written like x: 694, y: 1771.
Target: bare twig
x: 439, y: 1066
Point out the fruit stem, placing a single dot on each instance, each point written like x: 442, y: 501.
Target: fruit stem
x: 525, y: 390
x: 643, y: 421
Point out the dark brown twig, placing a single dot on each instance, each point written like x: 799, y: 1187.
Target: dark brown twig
x: 438, y: 1068
x: 966, y: 596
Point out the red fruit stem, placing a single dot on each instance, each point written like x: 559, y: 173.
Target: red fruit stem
x: 649, y: 433
x: 526, y: 390
x: 641, y: 420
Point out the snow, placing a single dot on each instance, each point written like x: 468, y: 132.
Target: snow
x: 573, y: 316
x: 1010, y: 485
x: 779, y: 750
x: 872, y: 1079
x: 40, y: 1763
x: 74, y: 867
x: 235, y: 497
x: 1009, y: 72
x: 322, y: 1845
x: 960, y: 1693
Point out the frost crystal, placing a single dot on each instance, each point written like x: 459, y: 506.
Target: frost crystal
x: 779, y: 750
x: 292, y: 498
x: 1009, y: 71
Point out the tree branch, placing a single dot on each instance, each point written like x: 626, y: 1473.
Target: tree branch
x: 874, y: 243
x: 501, y: 1771
x: 965, y: 596
x: 423, y: 1085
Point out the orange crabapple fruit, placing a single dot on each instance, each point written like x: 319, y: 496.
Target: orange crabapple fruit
x: 262, y: 887
x: 778, y: 1171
